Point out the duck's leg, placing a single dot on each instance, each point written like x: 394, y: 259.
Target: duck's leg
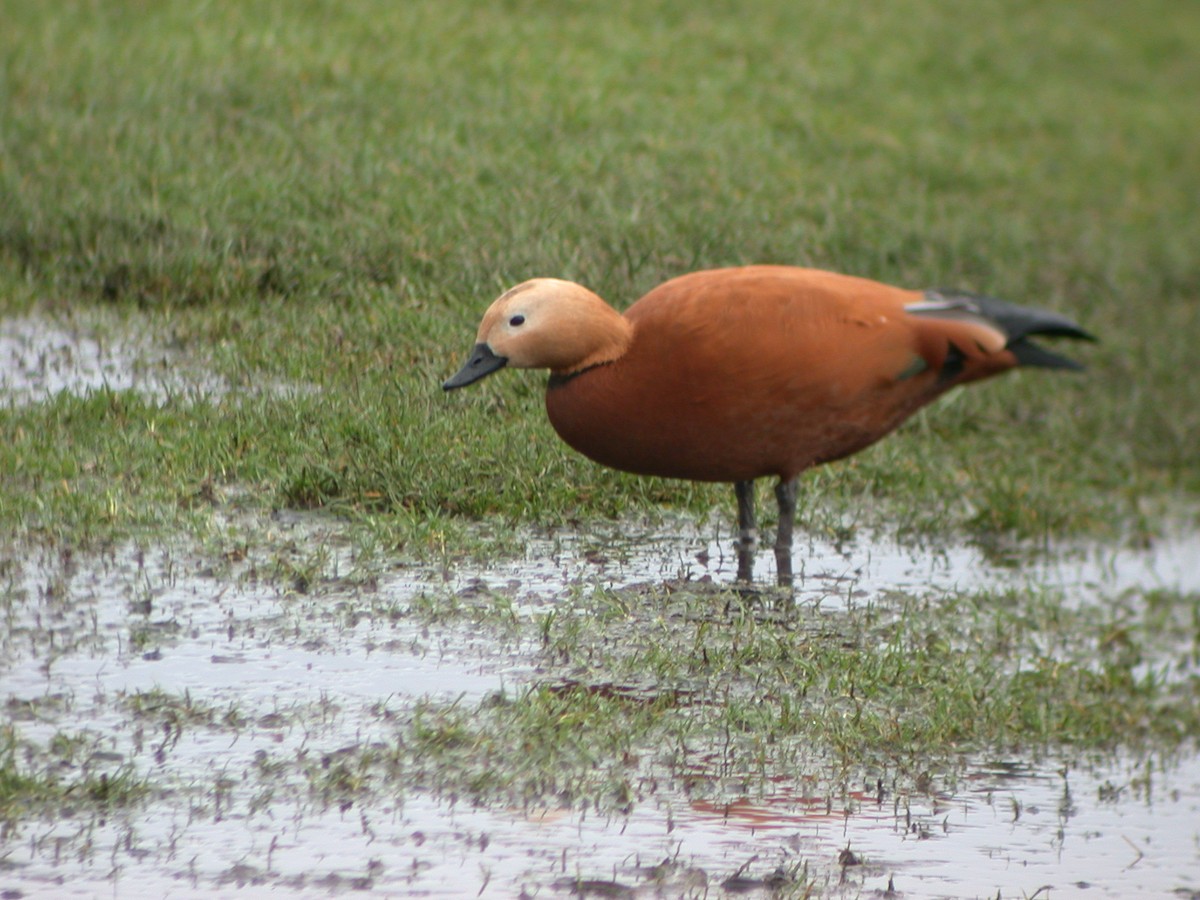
x: 785, y: 494
x: 747, y: 529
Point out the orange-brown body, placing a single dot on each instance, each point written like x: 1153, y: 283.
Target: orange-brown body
x: 736, y: 374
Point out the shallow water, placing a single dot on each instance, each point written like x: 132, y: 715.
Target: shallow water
x: 41, y: 356
x: 837, y: 575
x: 301, y: 676
x: 79, y: 353
x: 1012, y: 831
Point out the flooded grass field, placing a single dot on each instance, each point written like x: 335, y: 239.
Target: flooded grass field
x: 268, y: 703
x: 244, y: 730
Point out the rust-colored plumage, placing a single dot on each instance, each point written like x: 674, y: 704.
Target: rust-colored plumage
x: 735, y: 374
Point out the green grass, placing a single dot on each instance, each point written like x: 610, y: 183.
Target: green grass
x: 330, y: 196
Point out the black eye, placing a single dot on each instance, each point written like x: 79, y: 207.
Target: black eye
x: 516, y: 320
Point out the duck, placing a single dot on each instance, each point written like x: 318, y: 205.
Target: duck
x: 736, y: 374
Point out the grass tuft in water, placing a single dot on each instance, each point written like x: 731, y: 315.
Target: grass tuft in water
x: 66, y: 778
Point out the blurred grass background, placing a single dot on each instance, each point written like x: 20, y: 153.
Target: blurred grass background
x: 330, y: 194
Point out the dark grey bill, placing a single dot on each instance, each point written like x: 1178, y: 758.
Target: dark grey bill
x: 481, y: 363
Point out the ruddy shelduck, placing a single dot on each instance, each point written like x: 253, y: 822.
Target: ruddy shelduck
x: 736, y: 374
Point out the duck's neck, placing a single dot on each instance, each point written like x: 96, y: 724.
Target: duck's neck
x: 601, y: 334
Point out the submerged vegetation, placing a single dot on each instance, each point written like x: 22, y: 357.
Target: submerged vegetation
x: 643, y: 686
x: 301, y: 210
x: 65, y: 779
x: 674, y: 696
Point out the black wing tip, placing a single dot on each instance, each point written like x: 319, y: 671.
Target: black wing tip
x: 1053, y: 325
x: 1030, y: 354
x: 1018, y: 321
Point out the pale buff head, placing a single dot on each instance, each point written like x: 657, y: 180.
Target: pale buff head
x: 545, y: 323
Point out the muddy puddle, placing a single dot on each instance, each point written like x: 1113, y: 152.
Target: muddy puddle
x: 234, y: 694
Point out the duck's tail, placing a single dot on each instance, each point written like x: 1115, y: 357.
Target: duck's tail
x: 1018, y: 323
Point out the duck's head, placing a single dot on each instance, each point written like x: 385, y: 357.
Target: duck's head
x: 545, y: 323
